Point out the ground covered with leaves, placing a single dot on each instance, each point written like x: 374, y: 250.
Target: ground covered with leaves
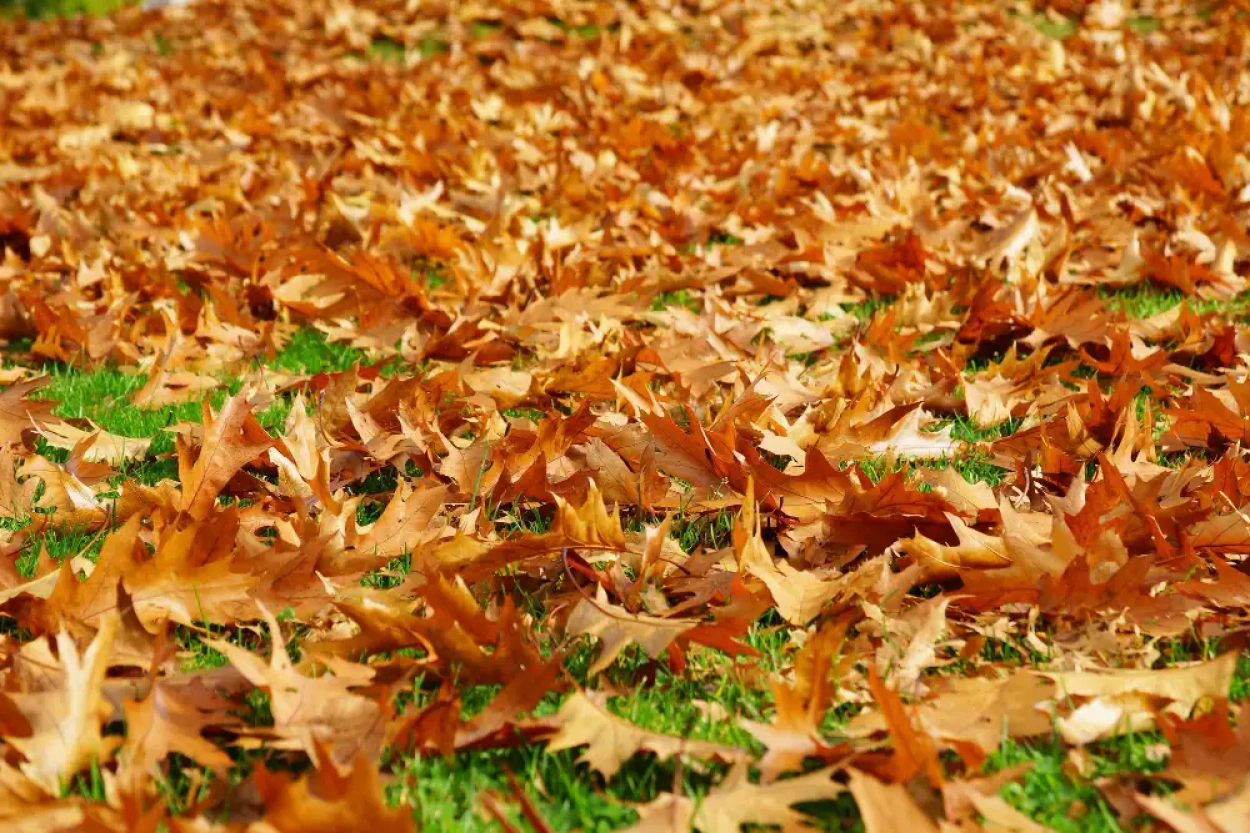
x: 542, y: 415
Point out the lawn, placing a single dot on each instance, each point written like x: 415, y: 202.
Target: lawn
x: 624, y: 416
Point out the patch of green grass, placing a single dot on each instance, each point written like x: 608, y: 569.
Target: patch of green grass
x: 532, y: 414
x: 386, y: 49
x: 974, y: 467
x: 195, y: 654
x: 963, y: 428
x: 1058, y: 28
x: 308, y: 351
x: 534, y: 519
x: 444, y: 794
x: 587, y: 31
x: 383, y: 48
x: 89, y: 784
x: 1141, y: 300
x: 1144, y: 24
x: 1240, y: 689
x: 103, y: 396
x: 866, y: 309
x: 257, y: 708
x: 384, y: 578
x: 709, y: 532
x: 60, y: 542
x: 1048, y: 794
x: 1145, y: 299
x: 1011, y: 652
x: 428, y: 47
x: 39, y: 9
x: 434, y: 277
x: 484, y: 28
x: 679, y: 298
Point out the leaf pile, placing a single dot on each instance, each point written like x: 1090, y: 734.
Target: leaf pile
x: 391, y: 383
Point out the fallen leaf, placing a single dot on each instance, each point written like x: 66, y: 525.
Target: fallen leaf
x: 610, y: 741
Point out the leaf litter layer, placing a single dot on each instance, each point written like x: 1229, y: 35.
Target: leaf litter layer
x: 603, y: 415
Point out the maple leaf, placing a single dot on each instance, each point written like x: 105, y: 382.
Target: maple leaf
x: 909, y: 645
x: 405, y: 524
x: 799, y: 595
x: 736, y: 802
x: 584, y: 720
x: 89, y: 601
x: 914, y: 751
x: 908, y: 439
x: 192, y: 577
x: 1227, y: 814
x: 975, y: 714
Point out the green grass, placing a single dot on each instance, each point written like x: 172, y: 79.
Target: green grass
x: 1143, y: 25
x: 1048, y: 794
x: 962, y: 428
x: 308, y: 351
x: 1142, y: 300
x: 866, y: 309
x: 103, y: 395
x: 38, y: 9
x: 60, y: 542
x: 388, y: 49
x: 973, y: 467
x: 1057, y: 28
x: 679, y: 298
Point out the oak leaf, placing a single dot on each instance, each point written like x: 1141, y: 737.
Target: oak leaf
x: 66, y: 721
x: 320, y: 715
x: 617, y: 628
x: 171, y: 718
x: 328, y: 800
x: 95, y: 446
x: 610, y: 741
x: 19, y: 413
x: 232, y: 438
x: 736, y: 801
x: 888, y: 808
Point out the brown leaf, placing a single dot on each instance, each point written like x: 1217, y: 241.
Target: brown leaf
x: 314, y: 714
x: 329, y: 801
x: 610, y: 741
x: 172, y: 718
x: 232, y: 439
x: 617, y: 628
x: 888, y: 808
x: 736, y: 801
x: 19, y: 413
x: 66, y: 721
